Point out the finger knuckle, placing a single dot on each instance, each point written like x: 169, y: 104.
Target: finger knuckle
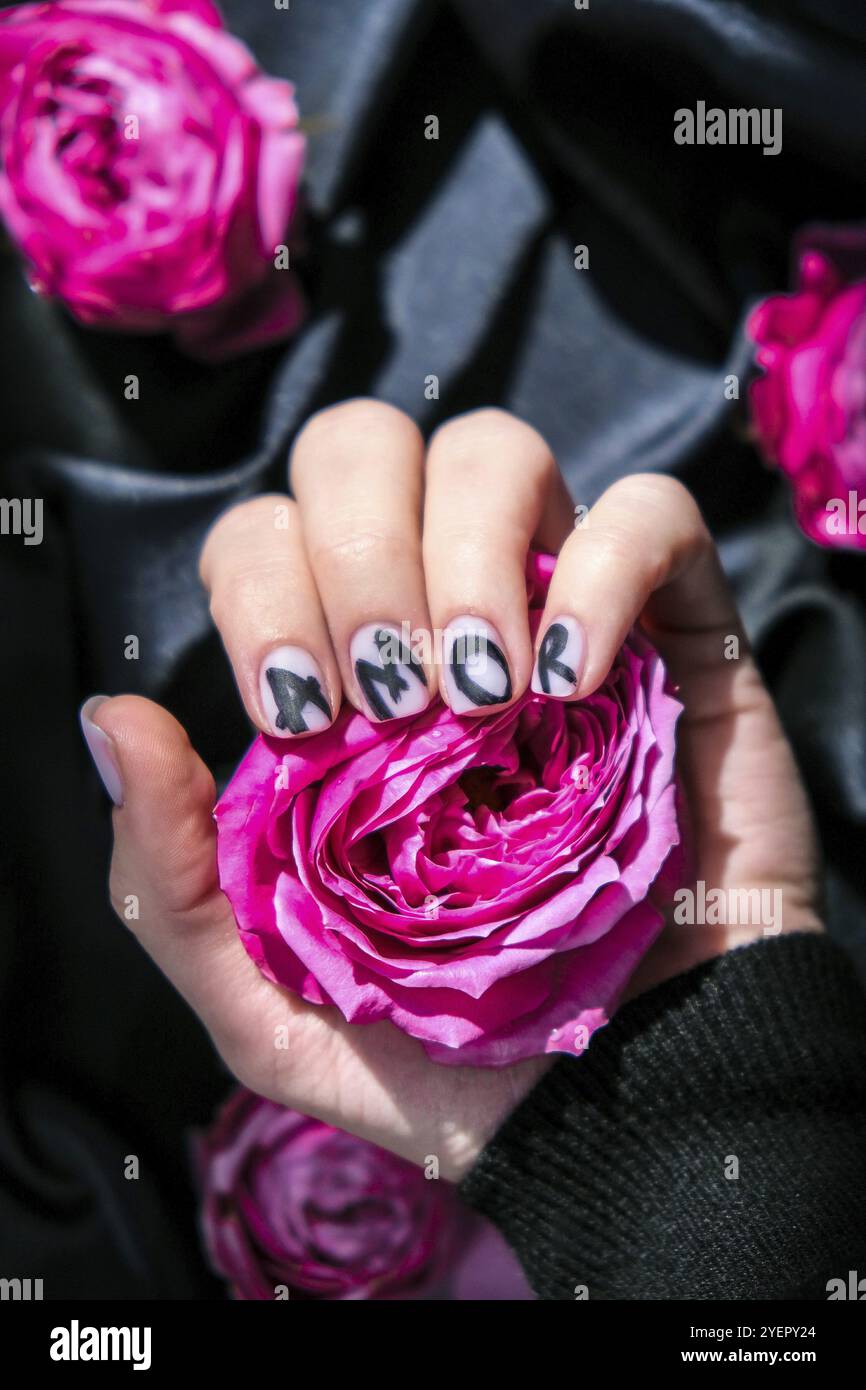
x: 656, y: 492
x: 361, y: 546
x: 241, y: 593
x: 491, y: 429
x: 333, y: 434
x: 616, y: 548
x: 240, y: 529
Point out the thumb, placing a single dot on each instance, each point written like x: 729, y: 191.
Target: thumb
x: 164, y: 883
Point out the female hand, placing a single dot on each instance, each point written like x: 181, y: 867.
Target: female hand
x: 382, y: 532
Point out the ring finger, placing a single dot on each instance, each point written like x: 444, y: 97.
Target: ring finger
x: 493, y: 489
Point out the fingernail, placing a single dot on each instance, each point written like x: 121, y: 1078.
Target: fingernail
x: 476, y: 667
x: 101, y: 749
x: 391, y: 679
x: 561, y: 658
x: 292, y: 689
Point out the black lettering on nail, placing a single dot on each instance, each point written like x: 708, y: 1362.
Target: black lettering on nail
x: 554, y: 643
x: 470, y: 643
x: 292, y: 694
x: 371, y: 677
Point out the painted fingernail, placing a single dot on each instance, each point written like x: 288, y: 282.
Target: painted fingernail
x: 561, y: 658
x: 476, y: 667
x: 292, y: 689
x: 101, y: 749
x: 391, y: 679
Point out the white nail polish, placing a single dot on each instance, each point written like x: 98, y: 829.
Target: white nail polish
x: 102, y: 749
x: 561, y: 658
x: 293, y: 692
x: 476, y: 666
x: 392, y: 682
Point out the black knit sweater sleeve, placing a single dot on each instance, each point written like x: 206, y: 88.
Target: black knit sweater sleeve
x: 711, y: 1142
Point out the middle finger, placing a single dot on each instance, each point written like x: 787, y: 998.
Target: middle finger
x: 357, y: 474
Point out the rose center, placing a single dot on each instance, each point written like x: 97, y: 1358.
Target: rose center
x: 82, y: 109
x: 484, y: 786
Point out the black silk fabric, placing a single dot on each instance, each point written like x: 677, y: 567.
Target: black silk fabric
x: 455, y: 258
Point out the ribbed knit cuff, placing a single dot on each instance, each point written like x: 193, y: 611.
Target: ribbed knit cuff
x: 711, y: 1143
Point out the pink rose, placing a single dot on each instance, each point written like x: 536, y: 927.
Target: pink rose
x: 149, y: 170
x: 809, y: 406
x: 289, y: 1202
x: 487, y: 1269
x: 484, y: 883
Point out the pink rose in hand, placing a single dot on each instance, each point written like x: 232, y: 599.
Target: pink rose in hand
x: 149, y: 170
x: 809, y: 406
x: 289, y: 1203
x: 487, y: 884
